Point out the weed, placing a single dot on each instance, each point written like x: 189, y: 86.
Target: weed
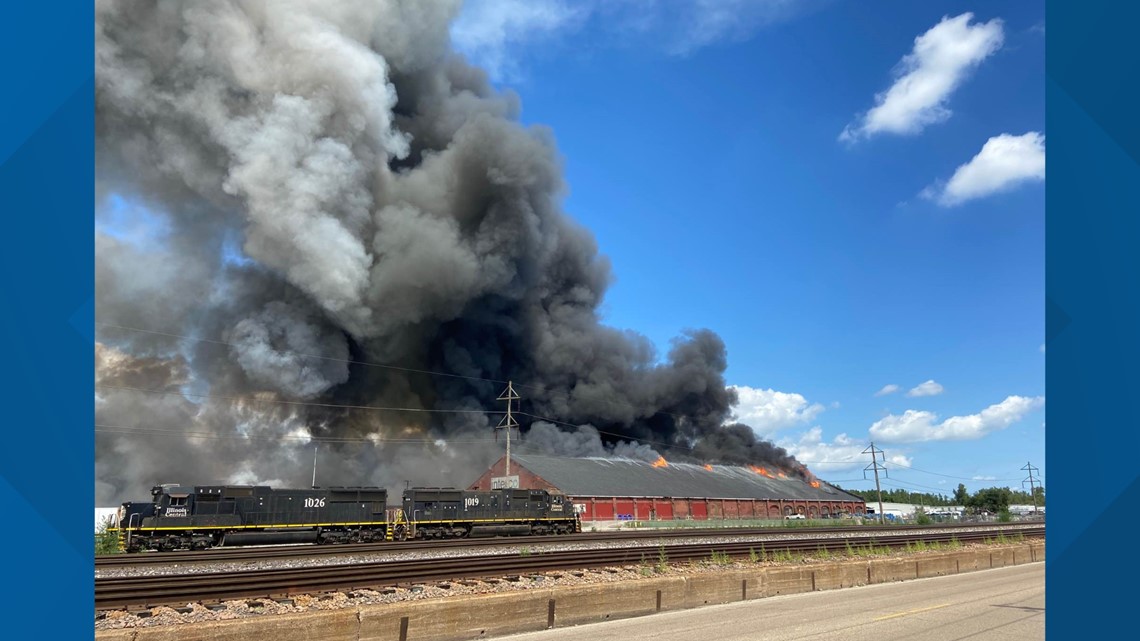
x: 721, y: 558
x: 662, y: 559
x: 106, y: 542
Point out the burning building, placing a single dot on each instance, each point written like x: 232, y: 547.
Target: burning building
x: 605, y: 489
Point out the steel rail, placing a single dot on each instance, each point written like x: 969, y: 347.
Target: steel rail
x: 179, y: 590
x: 308, y: 550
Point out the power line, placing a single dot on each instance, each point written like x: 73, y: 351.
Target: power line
x: 390, y: 409
x: 303, y: 403
x: 925, y: 487
x: 325, y: 358
x: 625, y: 436
x: 134, y: 429
x: 951, y: 476
x: 369, y: 364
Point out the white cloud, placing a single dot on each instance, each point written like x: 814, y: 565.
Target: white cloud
x: 492, y: 32
x: 939, y: 63
x: 915, y: 426
x: 929, y: 388
x: 899, y: 459
x: 983, y: 478
x: 841, y: 454
x: 887, y: 389
x: 704, y: 22
x: 487, y: 28
x: 767, y: 411
x: 1005, y: 162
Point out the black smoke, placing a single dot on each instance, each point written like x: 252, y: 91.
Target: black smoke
x: 290, y: 199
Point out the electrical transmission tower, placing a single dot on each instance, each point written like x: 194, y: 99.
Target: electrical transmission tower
x: 508, y: 421
x: 1029, y: 467
x: 876, y: 466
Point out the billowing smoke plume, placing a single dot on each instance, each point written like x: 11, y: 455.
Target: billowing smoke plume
x: 314, y: 210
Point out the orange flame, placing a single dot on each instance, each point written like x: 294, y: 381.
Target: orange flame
x: 815, y: 483
x: 781, y: 475
x: 708, y: 467
x: 660, y: 462
x: 761, y: 471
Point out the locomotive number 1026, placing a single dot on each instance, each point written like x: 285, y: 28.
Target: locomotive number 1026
x: 314, y: 502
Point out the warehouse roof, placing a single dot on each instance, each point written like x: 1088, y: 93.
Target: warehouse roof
x: 627, y: 477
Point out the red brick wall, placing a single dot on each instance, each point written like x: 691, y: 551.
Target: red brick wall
x: 527, y: 480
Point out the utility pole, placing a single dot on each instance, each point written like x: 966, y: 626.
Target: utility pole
x: 1031, y: 481
x: 508, y: 421
x: 876, y: 466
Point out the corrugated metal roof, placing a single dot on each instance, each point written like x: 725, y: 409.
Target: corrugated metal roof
x: 628, y: 477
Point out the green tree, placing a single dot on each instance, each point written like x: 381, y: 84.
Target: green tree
x: 991, y: 499
x: 961, y: 495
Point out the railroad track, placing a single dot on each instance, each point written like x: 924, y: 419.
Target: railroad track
x: 179, y: 590
x: 249, y: 554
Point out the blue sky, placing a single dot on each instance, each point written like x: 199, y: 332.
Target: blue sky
x: 850, y: 194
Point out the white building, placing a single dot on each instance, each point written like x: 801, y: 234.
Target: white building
x: 906, y: 511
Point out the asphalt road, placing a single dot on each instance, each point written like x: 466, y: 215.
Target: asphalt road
x: 1005, y: 603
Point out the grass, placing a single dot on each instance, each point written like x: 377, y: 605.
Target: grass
x: 649, y: 567
x: 732, y: 523
x: 784, y: 556
x: 721, y: 558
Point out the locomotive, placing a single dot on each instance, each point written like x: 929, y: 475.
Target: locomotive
x: 199, y: 517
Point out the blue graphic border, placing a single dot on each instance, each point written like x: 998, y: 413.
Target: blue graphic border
x: 1092, y: 312
x: 47, y: 266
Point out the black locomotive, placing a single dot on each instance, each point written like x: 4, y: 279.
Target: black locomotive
x: 200, y: 517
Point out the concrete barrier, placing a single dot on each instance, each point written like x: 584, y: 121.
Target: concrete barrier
x: 889, y: 570
x: 1002, y: 557
x: 481, y: 616
x: 333, y: 625
x: 593, y: 603
x: 714, y: 588
x: 116, y: 635
x: 460, y: 618
x: 787, y: 581
x: 937, y: 566
x: 841, y: 575
x: 966, y: 561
